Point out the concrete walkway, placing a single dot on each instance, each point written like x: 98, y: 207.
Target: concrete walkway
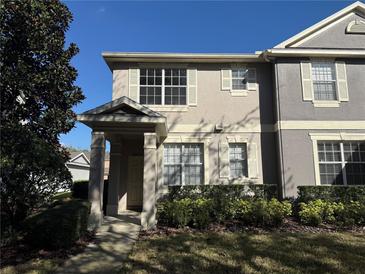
x: 113, y: 242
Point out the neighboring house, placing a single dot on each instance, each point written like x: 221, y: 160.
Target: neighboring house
x: 79, y: 166
x: 291, y: 115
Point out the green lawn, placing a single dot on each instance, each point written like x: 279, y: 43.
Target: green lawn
x: 34, y: 266
x: 248, y: 253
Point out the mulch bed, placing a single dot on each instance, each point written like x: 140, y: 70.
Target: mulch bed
x: 18, y: 252
x: 289, y: 225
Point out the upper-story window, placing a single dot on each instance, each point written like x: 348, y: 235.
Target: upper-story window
x: 324, y: 81
x: 163, y: 86
x: 239, y: 79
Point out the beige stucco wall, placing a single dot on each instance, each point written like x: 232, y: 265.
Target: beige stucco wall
x: 249, y: 117
x: 336, y: 36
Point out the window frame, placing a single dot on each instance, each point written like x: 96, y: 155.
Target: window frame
x: 182, y: 164
x: 342, y: 137
x: 232, y: 78
x: 163, y: 86
x: 245, y: 161
x: 333, y: 81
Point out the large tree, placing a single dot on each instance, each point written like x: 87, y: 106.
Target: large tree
x: 37, y: 95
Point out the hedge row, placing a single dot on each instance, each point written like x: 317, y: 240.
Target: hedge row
x: 58, y: 226
x: 202, y: 211
x: 264, y: 191
x: 344, y: 194
x: 317, y: 212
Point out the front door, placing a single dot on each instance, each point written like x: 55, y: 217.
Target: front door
x: 135, y: 182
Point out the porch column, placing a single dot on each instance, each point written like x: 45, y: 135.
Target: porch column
x: 148, y: 216
x: 96, y: 179
x: 114, y: 177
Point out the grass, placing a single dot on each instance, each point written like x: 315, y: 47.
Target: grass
x: 62, y: 195
x: 34, y: 266
x: 224, y: 252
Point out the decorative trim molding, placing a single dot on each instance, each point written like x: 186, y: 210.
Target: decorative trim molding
x: 341, y: 136
x: 338, y: 125
x: 227, y: 128
x: 190, y: 139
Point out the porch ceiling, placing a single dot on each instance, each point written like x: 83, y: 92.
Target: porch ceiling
x: 124, y: 116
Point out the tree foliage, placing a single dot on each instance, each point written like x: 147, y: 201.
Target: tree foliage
x: 37, y: 96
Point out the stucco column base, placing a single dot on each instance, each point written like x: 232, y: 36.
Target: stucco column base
x: 148, y: 215
x: 112, y: 210
x: 96, y: 180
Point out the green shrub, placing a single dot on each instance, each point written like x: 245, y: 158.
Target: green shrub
x: 344, y: 194
x: 175, y: 213
x: 58, y: 226
x: 318, y: 211
x: 232, y: 192
x: 352, y: 213
x: 269, y: 213
x: 201, y: 212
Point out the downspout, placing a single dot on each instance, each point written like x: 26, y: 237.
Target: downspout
x: 266, y: 56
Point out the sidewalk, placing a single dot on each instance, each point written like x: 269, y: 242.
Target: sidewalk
x: 114, y: 240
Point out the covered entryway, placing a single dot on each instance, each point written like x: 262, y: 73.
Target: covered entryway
x: 134, y: 133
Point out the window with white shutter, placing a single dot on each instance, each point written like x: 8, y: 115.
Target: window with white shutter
x: 238, y: 80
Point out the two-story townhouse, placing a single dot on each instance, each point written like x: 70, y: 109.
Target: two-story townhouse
x: 291, y: 115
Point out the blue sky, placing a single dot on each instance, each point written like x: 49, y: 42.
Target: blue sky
x: 171, y: 26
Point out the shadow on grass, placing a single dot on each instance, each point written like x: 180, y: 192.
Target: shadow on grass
x: 248, y: 253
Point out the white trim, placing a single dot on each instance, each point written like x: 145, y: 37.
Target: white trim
x: 326, y: 104
x: 300, y: 52
x: 342, y: 136
x: 205, y: 141
x: 300, y: 124
x: 227, y: 128
x: 305, y: 33
x: 356, y: 22
x: 235, y: 139
x: 77, y: 156
x: 313, y: 35
x: 168, y: 108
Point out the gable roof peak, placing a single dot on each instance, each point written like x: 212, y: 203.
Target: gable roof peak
x: 356, y: 6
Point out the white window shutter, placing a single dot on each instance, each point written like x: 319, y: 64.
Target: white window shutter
x: 226, y: 79
x: 192, y: 86
x: 342, y: 89
x: 251, y: 79
x: 134, y: 84
x: 252, y: 161
x: 223, y: 159
x: 307, y: 85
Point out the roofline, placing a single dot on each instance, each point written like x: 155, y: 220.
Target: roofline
x: 111, y: 57
x: 78, y: 155
x: 308, y: 31
x: 300, y: 52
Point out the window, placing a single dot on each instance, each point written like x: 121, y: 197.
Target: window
x: 238, y: 160
x: 341, y: 163
x: 163, y: 86
x: 239, y: 79
x: 175, y: 86
x: 324, y: 81
x: 150, y: 86
x: 183, y: 164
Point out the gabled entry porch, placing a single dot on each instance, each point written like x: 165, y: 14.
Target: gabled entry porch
x: 134, y: 133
